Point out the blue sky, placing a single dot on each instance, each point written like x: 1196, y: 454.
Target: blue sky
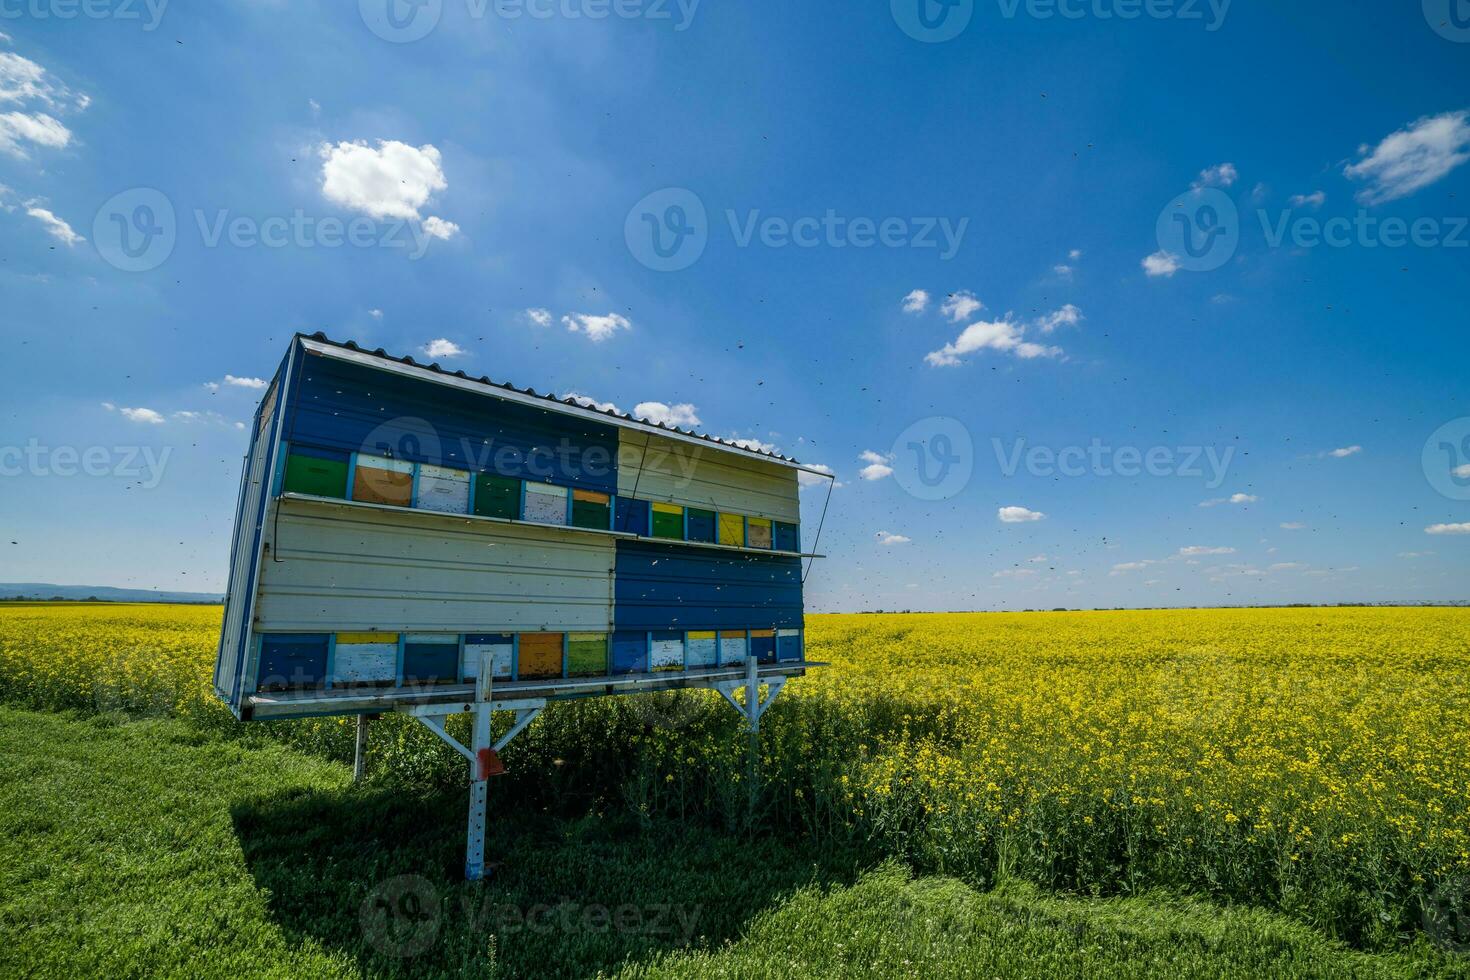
x: 1070, y: 238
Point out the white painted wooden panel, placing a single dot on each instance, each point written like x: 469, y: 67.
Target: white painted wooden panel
x: 444, y: 490
x: 502, y: 660
x: 701, y: 651
x: 363, y: 663
x: 709, y: 479
x: 336, y: 567
x: 734, y: 651
x: 546, y: 504
x: 667, y: 655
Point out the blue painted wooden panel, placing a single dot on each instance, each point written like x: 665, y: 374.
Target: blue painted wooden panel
x: 352, y: 407
x: 788, y: 645
x: 435, y: 662
x: 632, y: 516
x: 701, y: 525
x: 660, y: 587
x: 292, y: 661
x: 788, y: 537
x: 763, y: 645
x: 630, y: 653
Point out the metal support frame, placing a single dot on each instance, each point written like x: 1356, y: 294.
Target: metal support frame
x: 481, y: 751
x: 754, y: 707
x: 359, y: 756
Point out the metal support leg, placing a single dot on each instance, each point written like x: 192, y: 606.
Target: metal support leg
x: 753, y: 729
x: 359, y: 757
x: 474, y: 858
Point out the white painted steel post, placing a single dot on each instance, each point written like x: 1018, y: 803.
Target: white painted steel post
x: 753, y: 727
x: 474, y: 860
x: 359, y: 758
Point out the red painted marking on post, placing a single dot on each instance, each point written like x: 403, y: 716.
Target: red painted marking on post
x: 490, y: 764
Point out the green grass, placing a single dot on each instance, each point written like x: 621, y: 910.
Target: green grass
x: 149, y: 848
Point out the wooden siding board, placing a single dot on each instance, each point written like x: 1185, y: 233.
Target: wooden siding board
x: 357, y: 408
x: 688, y: 475
x: 671, y: 586
x: 349, y: 569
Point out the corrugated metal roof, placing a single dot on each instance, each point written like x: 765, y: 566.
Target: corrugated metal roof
x: 620, y: 417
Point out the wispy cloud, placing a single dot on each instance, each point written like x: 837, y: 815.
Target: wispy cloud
x: 1447, y: 529
x: 960, y: 306
x: 1412, y: 158
x: 597, y: 328
x: 1161, y: 264
x: 1220, y: 175
x: 55, y: 227
x: 916, y: 301
x: 888, y: 540
x: 1019, y: 515
x: 878, y: 467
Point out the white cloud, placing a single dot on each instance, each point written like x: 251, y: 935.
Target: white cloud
x: 916, y: 301
x: 376, y: 314
x: 1415, y: 554
x: 1293, y: 526
x: 1315, y: 200
x: 597, y: 328
x: 442, y: 347
x: 439, y: 228
x: 1447, y: 529
x: 1015, y: 573
x: 1123, y: 568
x: 1195, y: 551
x: 1235, y: 498
x: 37, y: 128
x: 587, y: 402
x: 960, y: 306
x: 55, y: 227
x: 1462, y: 471
x: 1344, y: 452
x: 1286, y: 566
x: 889, y: 540
x: 757, y: 445
x: 877, y: 468
x: 394, y: 180
x: 1067, y: 316
x: 1062, y: 271
x: 1412, y: 158
x: 540, y: 316
x: 806, y: 479
x: 1036, y: 560
x: 1075, y: 254
x: 31, y: 88
x: 230, y: 380
x: 1220, y: 175
x: 1019, y: 515
x: 683, y: 415
x: 1161, y: 264
x: 1004, y: 335
x: 146, y: 416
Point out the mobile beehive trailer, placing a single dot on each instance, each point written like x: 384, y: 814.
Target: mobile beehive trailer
x: 413, y: 540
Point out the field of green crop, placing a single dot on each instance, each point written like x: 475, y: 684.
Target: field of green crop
x: 1101, y: 794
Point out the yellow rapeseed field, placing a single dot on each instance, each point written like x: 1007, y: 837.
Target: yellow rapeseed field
x: 1314, y: 760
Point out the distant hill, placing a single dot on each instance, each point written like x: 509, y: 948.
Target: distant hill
x: 41, y: 590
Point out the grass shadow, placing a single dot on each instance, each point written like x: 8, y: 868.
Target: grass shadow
x: 376, y: 872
